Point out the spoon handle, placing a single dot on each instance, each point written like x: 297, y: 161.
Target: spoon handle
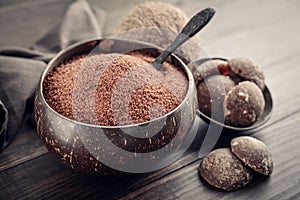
x: 190, y: 29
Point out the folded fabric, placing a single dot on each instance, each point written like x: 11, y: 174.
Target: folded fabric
x: 80, y: 22
x: 31, y: 34
x: 3, y: 124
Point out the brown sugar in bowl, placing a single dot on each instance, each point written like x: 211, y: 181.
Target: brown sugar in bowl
x: 142, y: 146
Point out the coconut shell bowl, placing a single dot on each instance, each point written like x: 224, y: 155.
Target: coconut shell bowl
x: 104, y: 149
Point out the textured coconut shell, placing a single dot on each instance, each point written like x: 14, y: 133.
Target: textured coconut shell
x: 158, y: 23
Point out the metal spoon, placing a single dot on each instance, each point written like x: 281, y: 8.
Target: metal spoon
x: 195, y: 24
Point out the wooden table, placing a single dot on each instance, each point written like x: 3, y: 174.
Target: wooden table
x: 266, y: 31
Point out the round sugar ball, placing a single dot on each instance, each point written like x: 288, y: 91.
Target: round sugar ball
x: 243, y: 104
x: 253, y: 153
x: 248, y: 70
x: 211, y: 94
x: 222, y: 169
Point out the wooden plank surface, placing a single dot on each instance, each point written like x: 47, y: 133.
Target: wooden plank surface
x: 264, y: 31
x: 186, y: 184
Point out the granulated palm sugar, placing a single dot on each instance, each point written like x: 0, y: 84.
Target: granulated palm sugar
x: 114, y: 89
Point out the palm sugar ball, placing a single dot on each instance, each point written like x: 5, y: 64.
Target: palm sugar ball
x: 222, y: 169
x: 254, y: 153
x: 158, y: 23
x: 248, y: 70
x: 211, y: 94
x: 243, y: 104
